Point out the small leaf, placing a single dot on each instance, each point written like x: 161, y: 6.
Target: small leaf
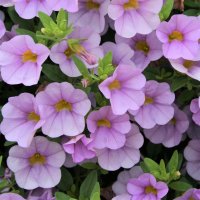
x: 180, y: 186
x: 95, y: 195
x: 62, y: 19
x: 173, y: 163
x: 178, y: 82
x: 151, y: 165
x: 166, y: 9
x: 63, y: 196
x: 45, y: 19
x: 90, y: 165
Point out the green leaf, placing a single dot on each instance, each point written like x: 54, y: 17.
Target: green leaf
x: 173, y: 163
x: 95, y: 195
x: 90, y: 165
x: 180, y: 186
x: 66, y: 180
x: 151, y: 165
x: 166, y: 9
x: 192, y: 4
x: 81, y: 67
x: 54, y: 73
x: 3, y: 184
x: 192, y: 12
x: 88, y: 185
x: 63, y: 196
x: 62, y: 19
x: 45, y: 19
x: 178, y: 82
x: 1, y: 158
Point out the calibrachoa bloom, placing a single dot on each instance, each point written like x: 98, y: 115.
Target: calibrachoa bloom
x: 107, y: 129
x: 120, y: 186
x: 69, y: 5
x: 195, y: 109
x: 38, y: 165
x: 63, y: 108
x: 10, y: 196
x: 124, y: 89
x: 147, y: 48
x: 40, y: 194
x: 157, y: 108
x: 135, y: 16
x: 192, y: 155
x: 2, y: 29
x: 121, y: 53
x: 92, y: 13
x: 21, y: 119
x: 78, y: 147
x: 29, y: 9
x: 191, y: 194
x: 171, y: 133
x: 6, y: 3
x: 189, y: 67
x: 88, y: 51
x: 21, y: 60
x: 126, y: 156
x: 146, y: 187
x: 180, y: 37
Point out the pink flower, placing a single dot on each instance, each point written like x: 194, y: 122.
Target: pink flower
x: 10, y: 196
x: 40, y: 194
x: 21, y: 60
x: 171, y: 133
x: 38, y: 165
x: 79, y: 148
x: 2, y: 29
x: 157, y: 108
x: 192, y: 155
x: 91, y: 13
x: 21, y: 119
x: 6, y: 3
x: 135, y: 16
x: 107, y: 129
x: 69, y: 5
x: 180, y: 37
x: 146, y: 187
x: 63, y: 108
x: 195, y: 109
x: 88, y: 51
x: 189, y: 67
x: 191, y: 194
x: 124, y: 89
x: 126, y: 156
x: 147, y: 48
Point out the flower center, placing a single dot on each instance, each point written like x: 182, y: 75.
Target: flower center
x: 176, y: 35
x: 29, y: 56
x: 104, y: 123
x: 142, y: 46
x: 114, y: 85
x: 173, y: 121
x: 131, y: 4
x: 32, y: 116
x: 148, y: 100
x: 191, y: 198
x: 69, y: 52
x: 37, y: 158
x: 188, y: 64
x: 149, y: 189
x: 92, y: 5
x: 63, y: 105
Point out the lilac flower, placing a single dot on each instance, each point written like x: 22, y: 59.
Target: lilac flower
x: 126, y: 156
x: 189, y: 67
x: 40, y: 194
x: 63, y: 108
x: 171, y: 133
x: 10, y: 196
x: 157, y: 108
x: 21, y: 60
x: 191, y: 194
x: 38, y: 165
x: 29, y: 9
x: 147, y: 48
x: 69, y: 5
x: 195, y: 109
x: 146, y: 187
x: 192, y: 155
x: 107, y: 129
x: 180, y: 37
x: 21, y: 119
x: 78, y: 147
x: 2, y: 29
x: 120, y: 186
x: 124, y: 89
x: 121, y: 53
x: 92, y: 13
x: 88, y: 51
x: 135, y: 16
x: 6, y: 3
